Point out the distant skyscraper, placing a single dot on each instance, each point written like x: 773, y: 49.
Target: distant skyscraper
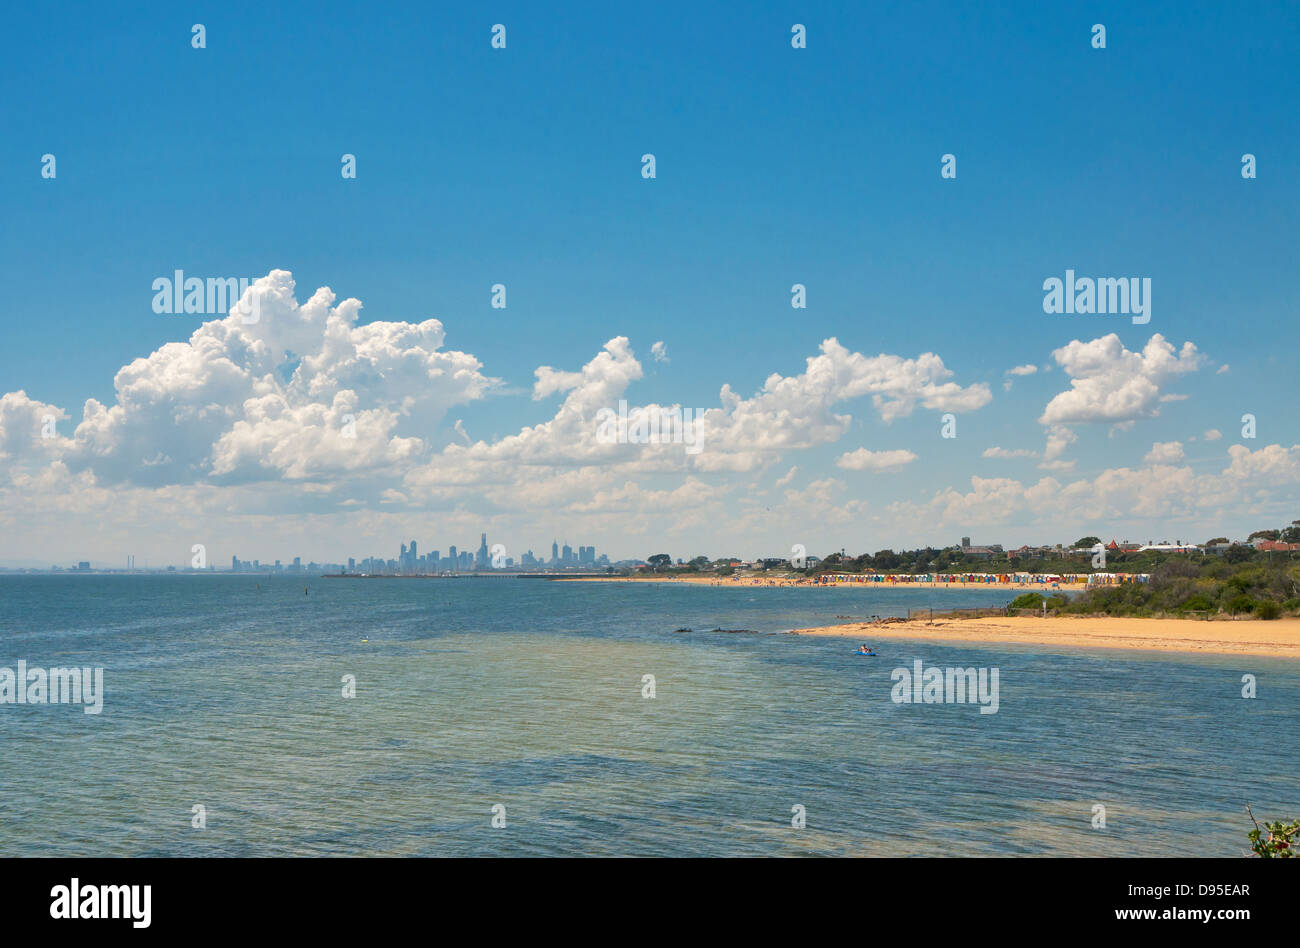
x: 566, y: 554
x: 555, y: 552
x: 481, y: 561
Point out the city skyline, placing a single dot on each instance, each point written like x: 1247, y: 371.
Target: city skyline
x: 410, y: 562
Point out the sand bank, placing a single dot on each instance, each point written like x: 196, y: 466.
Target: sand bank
x: 1280, y: 638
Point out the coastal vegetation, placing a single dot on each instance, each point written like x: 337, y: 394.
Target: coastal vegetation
x: 1033, y: 600
x: 1199, y: 588
x: 1239, y: 580
x: 1276, y: 840
x: 1073, y: 560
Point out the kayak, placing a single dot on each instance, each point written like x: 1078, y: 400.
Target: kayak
x: 867, y: 654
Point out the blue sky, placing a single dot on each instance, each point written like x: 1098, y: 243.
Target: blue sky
x: 774, y: 166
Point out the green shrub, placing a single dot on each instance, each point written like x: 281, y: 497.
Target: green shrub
x: 1268, y: 609
x: 1027, y: 601
x: 1248, y: 579
x: 1281, y: 841
x: 1200, y: 602
x: 1239, y: 603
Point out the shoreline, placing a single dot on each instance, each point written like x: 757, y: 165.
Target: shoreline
x: 753, y: 582
x: 1279, y: 638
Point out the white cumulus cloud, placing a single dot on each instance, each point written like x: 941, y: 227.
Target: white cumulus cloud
x: 1165, y: 452
x: 1109, y: 383
x: 864, y: 460
x: 997, y: 452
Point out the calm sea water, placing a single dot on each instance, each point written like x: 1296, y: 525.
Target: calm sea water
x: 526, y: 693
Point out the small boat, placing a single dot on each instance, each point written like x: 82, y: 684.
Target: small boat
x: 870, y: 654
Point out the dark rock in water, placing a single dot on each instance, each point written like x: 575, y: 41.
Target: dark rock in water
x: 731, y: 631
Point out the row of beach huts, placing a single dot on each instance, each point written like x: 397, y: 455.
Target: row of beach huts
x: 975, y: 579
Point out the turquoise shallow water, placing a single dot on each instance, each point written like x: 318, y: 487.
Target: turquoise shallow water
x: 526, y: 693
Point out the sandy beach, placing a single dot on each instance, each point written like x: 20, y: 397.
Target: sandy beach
x: 1280, y: 638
